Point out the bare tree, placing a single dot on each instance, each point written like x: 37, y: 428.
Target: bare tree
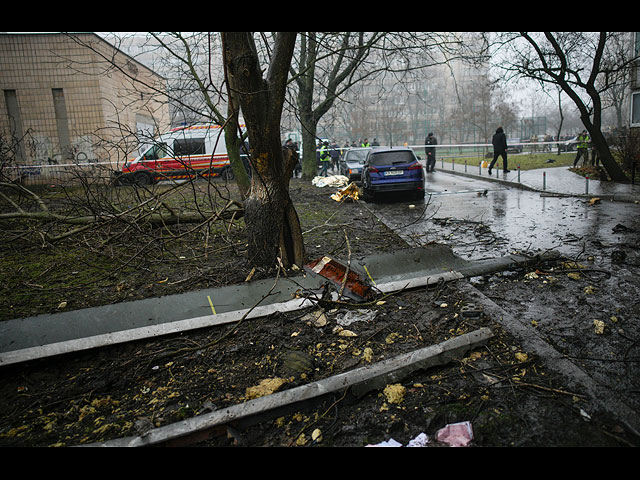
x: 581, y: 65
x: 329, y: 64
x: 273, y: 227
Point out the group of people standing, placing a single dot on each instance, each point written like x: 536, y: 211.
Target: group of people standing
x: 329, y: 153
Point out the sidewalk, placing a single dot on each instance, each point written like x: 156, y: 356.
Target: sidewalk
x: 552, y: 180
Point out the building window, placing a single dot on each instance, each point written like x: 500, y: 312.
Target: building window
x: 635, y: 109
x: 15, y: 124
x: 62, y: 123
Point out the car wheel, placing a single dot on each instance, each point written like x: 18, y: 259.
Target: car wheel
x: 143, y: 178
x: 367, y: 193
x: 227, y: 174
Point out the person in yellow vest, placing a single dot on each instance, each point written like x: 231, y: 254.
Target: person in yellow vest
x: 325, y: 159
x: 365, y: 143
x: 582, y: 148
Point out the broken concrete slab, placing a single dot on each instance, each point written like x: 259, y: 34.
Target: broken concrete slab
x: 54, y: 334
x: 361, y: 380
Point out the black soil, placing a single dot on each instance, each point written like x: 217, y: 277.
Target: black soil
x: 508, y: 394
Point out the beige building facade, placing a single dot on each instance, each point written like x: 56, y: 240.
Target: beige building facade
x: 75, y: 98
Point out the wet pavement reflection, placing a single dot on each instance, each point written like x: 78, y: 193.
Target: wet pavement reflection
x: 480, y: 218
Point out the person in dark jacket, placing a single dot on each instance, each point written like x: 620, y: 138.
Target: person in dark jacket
x: 334, y: 153
x: 430, y: 152
x: 499, y: 142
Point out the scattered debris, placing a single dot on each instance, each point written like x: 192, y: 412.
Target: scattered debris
x: 387, y: 443
x: 350, y: 192
x: 265, y: 387
x: 354, y: 286
x: 421, y: 440
x: 317, y: 318
x: 347, y: 318
x: 470, y: 311
x: 598, y: 326
x: 331, y: 181
x: 343, y: 332
x: 456, y: 434
x: 594, y: 201
x: 394, y: 393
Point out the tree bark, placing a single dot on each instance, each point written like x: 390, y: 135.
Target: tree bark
x: 272, y: 223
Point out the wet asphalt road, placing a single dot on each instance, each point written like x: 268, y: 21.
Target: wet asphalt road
x: 505, y: 220
x: 510, y: 220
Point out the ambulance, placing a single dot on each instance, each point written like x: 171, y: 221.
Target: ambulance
x: 182, y: 153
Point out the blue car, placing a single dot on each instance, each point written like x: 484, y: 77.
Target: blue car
x: 392, y: 169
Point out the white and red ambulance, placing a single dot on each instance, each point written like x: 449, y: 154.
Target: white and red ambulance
x: 181, y: 153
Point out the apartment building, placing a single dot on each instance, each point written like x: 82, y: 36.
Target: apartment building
x: 634, y: 118
x: 75, y: 98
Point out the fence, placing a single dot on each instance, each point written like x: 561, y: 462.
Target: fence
x: 67, y: 174
x: 95, y: 172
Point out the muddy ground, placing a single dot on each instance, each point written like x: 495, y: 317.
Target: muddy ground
x: 509, y: 394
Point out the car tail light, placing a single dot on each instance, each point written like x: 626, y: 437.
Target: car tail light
x: 415, y: 166
x: 373, y: 169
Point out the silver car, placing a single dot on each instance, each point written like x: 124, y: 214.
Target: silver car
x: 352, y: 162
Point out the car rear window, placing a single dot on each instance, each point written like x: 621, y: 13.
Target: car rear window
x: 357, y: 155
x: 391, y: 158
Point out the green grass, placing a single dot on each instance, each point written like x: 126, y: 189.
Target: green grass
x: 531, y: 161
x: 527, y: 161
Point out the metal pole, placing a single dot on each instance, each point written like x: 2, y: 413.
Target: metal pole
x: 586, y: 191
x: 480, y: 168
x: 544, y: 180
x: 453, y: 164
x: 465, y: 166
x: 518, y: 173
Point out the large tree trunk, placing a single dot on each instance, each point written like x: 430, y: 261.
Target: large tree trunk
x: 309, y: 146
x: 272, y: 223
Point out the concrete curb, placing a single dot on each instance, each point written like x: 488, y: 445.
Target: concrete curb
x: 553, y: 359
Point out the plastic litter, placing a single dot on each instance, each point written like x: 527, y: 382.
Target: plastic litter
x: 351, y: 316
x: 387, y: 443
x: 456, y: 434
x: 421, y: 440
x: 331, y: 181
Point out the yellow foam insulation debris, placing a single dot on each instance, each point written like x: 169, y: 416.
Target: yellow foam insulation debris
x: 265, y: 387
x: 350, y: 192
x: 394, y: 393
x: 599, y: 327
